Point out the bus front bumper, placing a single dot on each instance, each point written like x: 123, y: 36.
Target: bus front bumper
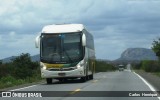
x: 79, y: 72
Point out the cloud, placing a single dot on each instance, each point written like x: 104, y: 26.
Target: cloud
x: 116, y: 25
x: 13, y: 44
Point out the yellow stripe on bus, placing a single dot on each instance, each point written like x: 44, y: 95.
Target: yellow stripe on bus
x: 53, y: 65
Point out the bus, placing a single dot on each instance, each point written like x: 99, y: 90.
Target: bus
x: 66, y: 52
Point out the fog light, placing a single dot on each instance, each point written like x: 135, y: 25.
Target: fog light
x: 81, y: 72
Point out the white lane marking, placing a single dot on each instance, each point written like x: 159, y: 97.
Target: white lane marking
x: 23, y: 88
x: 148, y: 84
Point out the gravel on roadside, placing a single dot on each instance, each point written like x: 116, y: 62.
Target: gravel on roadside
x: 154, y: 80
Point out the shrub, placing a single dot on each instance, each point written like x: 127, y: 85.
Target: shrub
x: 137, y: 65
x: 24, y: 67
x: 8, y: 79
x: 21, y: 70
x: 150, y: 66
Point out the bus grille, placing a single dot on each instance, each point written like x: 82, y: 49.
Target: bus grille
x: 61, y: 69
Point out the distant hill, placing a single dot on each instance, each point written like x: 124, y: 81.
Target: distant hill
x: 138, y: 54
x: 9, y: 59
x: 135, y: 55
x: 129, y: 55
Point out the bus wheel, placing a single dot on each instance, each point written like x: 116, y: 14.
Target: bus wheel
x: 49, y: 80
x: 83, y: 79
x: 91, y: 76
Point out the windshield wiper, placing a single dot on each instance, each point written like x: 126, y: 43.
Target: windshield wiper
x: 68, y: 56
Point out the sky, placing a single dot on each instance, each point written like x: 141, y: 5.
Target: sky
x: 115, y: 24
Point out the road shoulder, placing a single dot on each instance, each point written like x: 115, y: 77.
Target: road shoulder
x: 151, y: 78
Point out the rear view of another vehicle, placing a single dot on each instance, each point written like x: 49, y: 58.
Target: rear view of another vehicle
x: 121, y: 67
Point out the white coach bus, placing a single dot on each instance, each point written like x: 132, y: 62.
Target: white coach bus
x: 66, y: 52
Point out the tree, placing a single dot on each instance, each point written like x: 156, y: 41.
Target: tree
x: 23, y: 66
x: 1, y: 62
x: 156, y: 47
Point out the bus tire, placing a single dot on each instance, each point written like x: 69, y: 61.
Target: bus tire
x: 83, y: 79
x: 49, y: 80
x: 91, y: 77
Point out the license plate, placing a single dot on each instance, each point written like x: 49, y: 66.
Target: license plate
x: 61, y: 74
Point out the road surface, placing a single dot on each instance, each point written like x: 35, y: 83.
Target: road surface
x: 104, y: 81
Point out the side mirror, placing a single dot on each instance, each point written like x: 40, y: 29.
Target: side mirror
x: 37, y: 42
x: 83, y: 40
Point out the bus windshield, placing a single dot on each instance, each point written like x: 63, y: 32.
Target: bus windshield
x: 61, y: 48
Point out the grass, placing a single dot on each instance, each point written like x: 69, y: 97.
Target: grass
x: 157, y: 73
x: 10, y: 81
x: 154, y: 73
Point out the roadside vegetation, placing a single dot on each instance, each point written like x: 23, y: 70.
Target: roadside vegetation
x: 148, y: 66
x: 20, y: 71
x: 102, y: 66
x: 151, y: 66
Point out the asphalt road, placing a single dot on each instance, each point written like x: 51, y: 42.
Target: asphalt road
x: 104, y: 81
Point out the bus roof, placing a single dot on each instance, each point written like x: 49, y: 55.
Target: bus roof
x: 62, y: 28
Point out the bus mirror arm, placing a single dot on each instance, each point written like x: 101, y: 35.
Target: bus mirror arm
x: 37, y: 42
x: 83, y: 40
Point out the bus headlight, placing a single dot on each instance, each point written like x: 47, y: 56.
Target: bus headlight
x: 82, y: 63
x: 78, y: 66
x: 43, y: 66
